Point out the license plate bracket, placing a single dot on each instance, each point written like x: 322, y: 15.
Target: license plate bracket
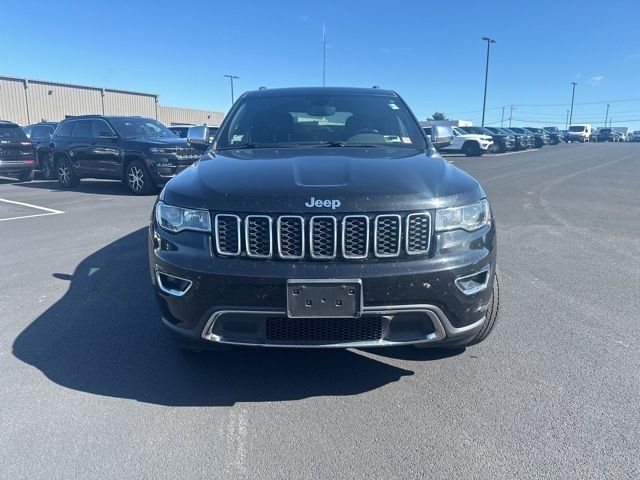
x: 316, y: 298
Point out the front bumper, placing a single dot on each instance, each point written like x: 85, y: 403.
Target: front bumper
x: 243, y: 301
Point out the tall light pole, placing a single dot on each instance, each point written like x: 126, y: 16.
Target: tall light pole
x: 606, y: 115
x: 512, y: 108
x: 502, y: 119
x: 232, y: 78
x: 567, y: 126
x: 573, y: 94
x: 486, y: 76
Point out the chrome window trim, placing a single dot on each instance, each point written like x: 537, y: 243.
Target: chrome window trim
x: 246, y: 236
x: 279, y: 237
x: 375, y: 236
x: 406, y: 235
x: 368, y: 233
x: 217, y: 235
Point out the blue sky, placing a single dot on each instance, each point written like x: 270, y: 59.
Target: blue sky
x: 428, y: 51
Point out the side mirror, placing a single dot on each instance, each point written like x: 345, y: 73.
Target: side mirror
x: 441, y: 135
x: 198, y: 135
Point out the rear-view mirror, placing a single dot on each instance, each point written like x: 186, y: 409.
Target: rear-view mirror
x: 198, y: 135
x: 441, y: 135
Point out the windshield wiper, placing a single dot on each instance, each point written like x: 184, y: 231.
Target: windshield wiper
x: 245, y: 146
x: 345, y: 144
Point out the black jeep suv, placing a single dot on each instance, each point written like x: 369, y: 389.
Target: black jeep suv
x: 16, y: 152
x: 323, y: 217
x: 501, y: 142
x: 141, y: 152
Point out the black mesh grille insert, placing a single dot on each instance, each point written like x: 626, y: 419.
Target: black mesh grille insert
x: 228, y: 238
x: 323, y: 237
x: 318, y: 330
x: 356, y: 236
x: 258, y: 236
x: 291, y: 237
x: 387, y: 236
x: 418, y: 233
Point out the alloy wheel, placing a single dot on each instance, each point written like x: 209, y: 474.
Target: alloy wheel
x: 63, y: 173
x: 136, y: 178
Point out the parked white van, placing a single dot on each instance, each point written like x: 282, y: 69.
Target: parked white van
x: 579, y: 133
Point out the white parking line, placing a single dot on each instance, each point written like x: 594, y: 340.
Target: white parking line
x: 510, y: 153
x: 50, y: 211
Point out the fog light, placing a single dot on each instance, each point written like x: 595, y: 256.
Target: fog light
x: 172, y: 285
x: 474, y: 283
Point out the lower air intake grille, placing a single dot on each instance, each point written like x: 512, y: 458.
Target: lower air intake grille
x: 318, y: 330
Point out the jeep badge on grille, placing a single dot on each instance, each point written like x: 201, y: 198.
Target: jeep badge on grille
x: 313, y: 202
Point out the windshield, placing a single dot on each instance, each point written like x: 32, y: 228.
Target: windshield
x: 316, y: 119
x: 551, y: 129
x: 577, y: 128
x: 518, y: 130
x: 128, y: 127
x: 12, y: 132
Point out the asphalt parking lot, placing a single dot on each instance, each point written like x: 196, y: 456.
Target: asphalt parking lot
x: 91, y: 387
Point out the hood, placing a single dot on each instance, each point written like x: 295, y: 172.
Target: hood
x: 349, y: 179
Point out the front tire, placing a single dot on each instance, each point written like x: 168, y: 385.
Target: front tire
x: 67, y: 178
x: 471, y: 149
x: 492, y: 315
x: 138, y: 179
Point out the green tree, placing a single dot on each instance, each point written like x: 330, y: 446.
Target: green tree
x: 438, y: 116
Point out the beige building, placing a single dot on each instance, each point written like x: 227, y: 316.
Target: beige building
x: 27, y: 101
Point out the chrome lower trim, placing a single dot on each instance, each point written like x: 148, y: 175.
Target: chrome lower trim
x: 172, y: 291
x: 444, y: 329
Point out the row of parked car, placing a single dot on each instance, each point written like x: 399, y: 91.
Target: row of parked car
x: 141, y: 152
x: 474, y: 141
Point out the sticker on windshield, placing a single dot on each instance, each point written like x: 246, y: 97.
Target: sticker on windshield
x: 394, y: 106
x: 392, y: 139
x: 236, y: 138
x: 406, y: 140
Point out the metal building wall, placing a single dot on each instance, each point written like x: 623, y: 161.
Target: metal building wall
x: 42, y: 100
x: 50, y: 101
x: 13, y: 104
x: 125, y: 103
x: 175, y: 115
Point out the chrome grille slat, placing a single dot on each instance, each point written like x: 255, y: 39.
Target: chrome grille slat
x: 227, y: 234
x: 387, y: 236
x: 355, y: 236
x: 323, y: 237
x: 258, y: 236
x: 418, y: 233
x: 290, y: 237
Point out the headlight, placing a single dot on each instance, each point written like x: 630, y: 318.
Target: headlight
x: 469, y: 218
x: 176, y: 219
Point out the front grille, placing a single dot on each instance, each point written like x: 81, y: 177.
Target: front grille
x: 387, y: 239
x: 310, y: 330
x: 227, y: 233
x: 321, y: 237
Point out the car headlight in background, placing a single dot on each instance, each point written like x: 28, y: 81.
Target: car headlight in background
x: 177, y: 219
x: 469, y: 217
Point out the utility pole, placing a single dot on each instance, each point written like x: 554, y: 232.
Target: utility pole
x: 606, y: 115
x: 573, y: 93
x: 232, y: 78
x: 567, y: 126
x: 512, y: 108
x: 502, y: 119
x: 324, y: 55
x: 486, y: 76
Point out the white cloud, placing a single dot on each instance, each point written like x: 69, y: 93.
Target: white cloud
x: 596, y: 80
